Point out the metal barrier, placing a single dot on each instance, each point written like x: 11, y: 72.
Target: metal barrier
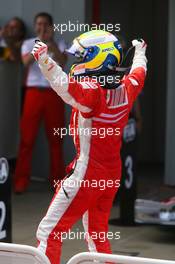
x: 21, y: 254
x: 87, y: 257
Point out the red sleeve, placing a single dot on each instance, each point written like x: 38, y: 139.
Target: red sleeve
x: 134, y: 82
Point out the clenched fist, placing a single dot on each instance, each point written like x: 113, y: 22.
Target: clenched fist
x: 39, y: 51
x: 140, y: 45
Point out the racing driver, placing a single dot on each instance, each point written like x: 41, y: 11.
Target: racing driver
x: 96, y: 106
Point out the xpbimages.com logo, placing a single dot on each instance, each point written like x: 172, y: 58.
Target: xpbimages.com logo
x: 91, y: 81
x: 84, y: 27
x: 69, y: 183
x: 100, y: 132
x: 83, y: 235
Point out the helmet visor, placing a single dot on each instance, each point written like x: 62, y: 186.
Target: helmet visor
x: 76, y: 49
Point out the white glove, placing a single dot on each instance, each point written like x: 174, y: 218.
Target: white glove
x: 139, y: 59
x: 47, y: 65
x: 140, y: 45
x: 39, y: 51
x: 49, y: 68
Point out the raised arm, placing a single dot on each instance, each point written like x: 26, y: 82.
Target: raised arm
x: 135, y: 79
x: 85, y: 96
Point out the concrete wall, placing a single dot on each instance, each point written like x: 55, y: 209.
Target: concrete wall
x: 62, y: 12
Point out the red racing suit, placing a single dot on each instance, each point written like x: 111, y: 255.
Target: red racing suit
x: 98, y: 119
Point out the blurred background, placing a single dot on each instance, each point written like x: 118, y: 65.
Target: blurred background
x: 152, y: 20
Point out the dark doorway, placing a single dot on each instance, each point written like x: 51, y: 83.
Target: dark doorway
x: 146, y: 19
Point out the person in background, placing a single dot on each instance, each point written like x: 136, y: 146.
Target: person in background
x: 41, y: 103
x: 12, y: 34
x: 11, y: 39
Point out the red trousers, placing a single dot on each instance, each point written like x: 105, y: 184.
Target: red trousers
x: 40, y: 104
x: 78, y: 197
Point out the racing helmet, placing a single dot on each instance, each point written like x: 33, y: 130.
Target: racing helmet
x: 98, y: 52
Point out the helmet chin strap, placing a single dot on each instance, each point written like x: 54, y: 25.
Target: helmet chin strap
x: 121, y: 68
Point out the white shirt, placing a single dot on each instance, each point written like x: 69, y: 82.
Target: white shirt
x: 34, y: 75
